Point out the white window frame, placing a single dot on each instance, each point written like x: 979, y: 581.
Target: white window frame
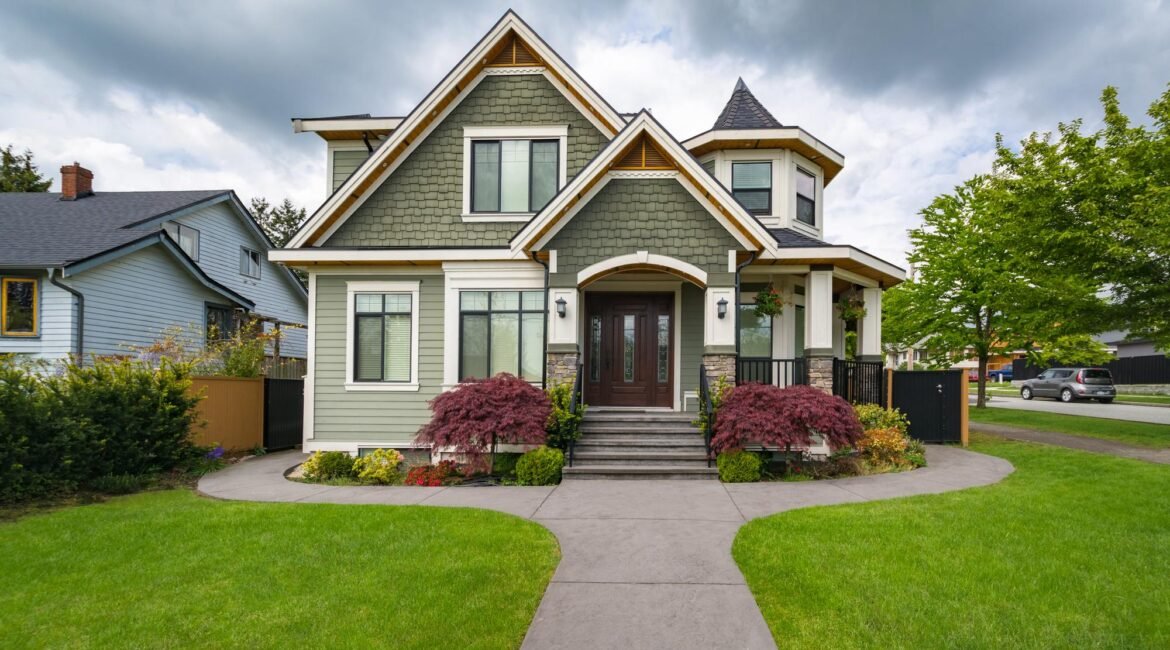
x: 369, y: 286
x: 558, y: 132
x: 249, y: 252
x: 804, y: 164
x: 177, y: 237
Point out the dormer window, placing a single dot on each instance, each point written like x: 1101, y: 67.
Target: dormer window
x: 806, y: 197
x: 518, y: 176
x: 751, y: 184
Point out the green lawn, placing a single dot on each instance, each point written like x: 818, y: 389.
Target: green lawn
x: 1069, y: 551
x: 1142, y: 434
x: 173, y: 570
x: 1121, y: 396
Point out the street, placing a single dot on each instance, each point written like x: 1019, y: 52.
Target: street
x: 1132, y: 413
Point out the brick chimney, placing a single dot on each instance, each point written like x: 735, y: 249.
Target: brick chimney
x: 76, y: 182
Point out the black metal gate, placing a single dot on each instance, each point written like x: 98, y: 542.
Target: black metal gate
x: 284, y: 407
x: 859, y: 382
x: 932, y: 401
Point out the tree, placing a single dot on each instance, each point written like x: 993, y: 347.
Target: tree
x: 280, y: 223
x: 19, y: 174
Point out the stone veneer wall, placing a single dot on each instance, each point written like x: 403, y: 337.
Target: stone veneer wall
x: 820, y: 373
x: 719, y: 365
x: 562, y: 366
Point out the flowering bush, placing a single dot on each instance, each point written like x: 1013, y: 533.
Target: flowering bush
x: 873, y: 416
x: 769, y: 302
x: 477, y: 415
x: 541, y: 466
x: 328, y: 465
x: 885, y: 441
x: 781, y: 418
x: 432, y: 475
x: 883, y: 445
x: 379, y: 466
x: 739, y: 466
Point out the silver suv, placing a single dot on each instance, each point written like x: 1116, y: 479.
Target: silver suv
x: 1071, y: 384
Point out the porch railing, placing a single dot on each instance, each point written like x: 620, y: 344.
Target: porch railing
x: 859, y: 382
x: 575, y: 402
x: 778, y: 372
x: 708, y: 411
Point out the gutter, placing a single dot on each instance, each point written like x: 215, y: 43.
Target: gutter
x: 80, y: 312
x: 544, y: 364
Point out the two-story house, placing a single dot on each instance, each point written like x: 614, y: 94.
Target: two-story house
x: 516, y: 222
x: 102, y: 273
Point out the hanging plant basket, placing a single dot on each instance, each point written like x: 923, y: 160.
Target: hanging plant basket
x: 851, y: 308
x: 769, y: 303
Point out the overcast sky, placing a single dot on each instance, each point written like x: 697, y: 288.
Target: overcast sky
x: 198, y: 95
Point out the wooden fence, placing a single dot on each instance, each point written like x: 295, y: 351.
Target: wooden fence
x: 1151, y: 369
x: 231, y: 412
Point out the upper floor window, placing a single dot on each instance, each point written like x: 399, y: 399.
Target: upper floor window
x: 250, y: 262
x: 18, y: 311
x: 806, y: 197
x: 518, y: 176
x: 185, y: 236
x: 751, y: 185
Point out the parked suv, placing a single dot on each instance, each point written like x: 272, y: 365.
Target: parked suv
x: 1071, y: 384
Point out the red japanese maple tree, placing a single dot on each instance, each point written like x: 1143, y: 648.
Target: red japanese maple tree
x: 479, y: 413
x: 780, y: 418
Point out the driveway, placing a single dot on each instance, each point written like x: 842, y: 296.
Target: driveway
x: 1130, y: 412
x: 645, y: 564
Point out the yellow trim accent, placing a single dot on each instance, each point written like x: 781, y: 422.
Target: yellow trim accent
x: 4, y: 308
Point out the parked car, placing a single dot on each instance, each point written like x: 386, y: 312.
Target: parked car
x: 1071, y: 384
x: 1003, y: 374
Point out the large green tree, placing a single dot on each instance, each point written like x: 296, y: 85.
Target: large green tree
x: 279, y: 222
x: 18, y: 173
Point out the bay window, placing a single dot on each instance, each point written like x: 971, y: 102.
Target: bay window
x: 501, y: 331
x: 806, y: 197
x: 751, y: 185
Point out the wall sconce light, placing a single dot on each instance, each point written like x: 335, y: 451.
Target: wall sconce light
x: 722, y: 304
x: 561, y: 306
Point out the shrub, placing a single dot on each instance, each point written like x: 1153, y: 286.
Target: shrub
x: 32, y: 456
x: 328, y: 465
x: 873, y: 416
x: 432, y: 475
x: 119, y: 483
x: 915, y: 453
x: 781, y: 418
x: 883, y: 446
x: 505, y: 464
x: 719, y: 391
x: 563, y: 424
x: 380, y: 467
x: 541, y: 466
x: 474, y: 417
x: 738, y: 466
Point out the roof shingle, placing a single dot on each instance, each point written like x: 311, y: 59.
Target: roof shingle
x: 744, y: 111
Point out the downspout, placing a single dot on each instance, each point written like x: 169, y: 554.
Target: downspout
x: 80, y: 312
x: 544, y: 362
x: 739, y: 268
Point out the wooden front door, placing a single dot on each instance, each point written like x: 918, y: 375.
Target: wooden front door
x: 629, y: 349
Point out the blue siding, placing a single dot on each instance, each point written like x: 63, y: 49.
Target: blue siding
x: 221, y: 234
x: 54, y: 321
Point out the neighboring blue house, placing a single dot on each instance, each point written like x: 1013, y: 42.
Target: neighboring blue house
x: 84, y: 272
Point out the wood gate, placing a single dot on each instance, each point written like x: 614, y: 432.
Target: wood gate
x: 933, y: 401
x: 284, y: 407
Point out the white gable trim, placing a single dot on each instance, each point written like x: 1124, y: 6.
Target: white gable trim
x: 428, y: 106
x: 644, y: 258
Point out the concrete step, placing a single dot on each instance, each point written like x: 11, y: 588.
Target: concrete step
x: 638, y: 447
x: 640, y: 427
x: 668, y: 440
x: 588, y: 457
x: 637, y: 416
x: 626, y: 472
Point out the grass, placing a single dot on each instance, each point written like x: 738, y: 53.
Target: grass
x: 1142, y: 434
x: 1069, y: 551
x: 1122, y: 396
x: 172, y: 570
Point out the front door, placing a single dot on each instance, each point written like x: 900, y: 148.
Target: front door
x: 629, y: 351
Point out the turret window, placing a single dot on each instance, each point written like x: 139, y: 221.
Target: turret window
x: 806, y: 197
x: 751, y: 184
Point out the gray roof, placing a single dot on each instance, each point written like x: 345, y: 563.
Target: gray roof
x: 41, y: 230
x: 744, y: 111
x: 789, y: 238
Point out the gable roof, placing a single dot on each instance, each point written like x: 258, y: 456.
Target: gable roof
x: 41, y: 230
x: 744, y: 111
x: 641, y: 135
x: 509, y: 31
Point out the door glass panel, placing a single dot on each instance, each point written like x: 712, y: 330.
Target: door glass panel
x: 475, y: 346
x: 628, y: 347
x: 663, y: 348
x: 595, y: 349
x: 505, y: 343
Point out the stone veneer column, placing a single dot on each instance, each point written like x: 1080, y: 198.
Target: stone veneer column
x: 562, y: 367
x: 820, y: 373
x: 719, y: 365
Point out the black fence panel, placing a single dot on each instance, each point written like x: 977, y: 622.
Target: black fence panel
x: 779, y: 372
x: 284, y: 407
x: 932, y: 400
x: 859, y: 382
x: 1151, y: 369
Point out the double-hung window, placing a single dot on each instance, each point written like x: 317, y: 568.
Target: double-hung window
x: 18, y: 307
x: 185, y: 236
x: 751, y: 185
x: 806, y: 197
x: 383, y: 337
x: 501, y: 331
x: 250, y: 262
x: 513, y: 176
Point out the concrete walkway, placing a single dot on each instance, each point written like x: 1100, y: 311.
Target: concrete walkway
x: 1083, y: 443
x: 645, y: 564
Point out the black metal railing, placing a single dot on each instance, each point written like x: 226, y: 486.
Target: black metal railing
x: 777, y: 372
x: 859, y: 382
x: 576, y: 401
x: 708, y: 411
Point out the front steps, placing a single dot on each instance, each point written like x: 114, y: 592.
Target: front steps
x: 639, y: 444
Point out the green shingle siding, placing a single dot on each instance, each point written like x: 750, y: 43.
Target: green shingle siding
x: 692, y: 336
x: 630, y: 215
x: 383, y: 417
x: 422, y: 201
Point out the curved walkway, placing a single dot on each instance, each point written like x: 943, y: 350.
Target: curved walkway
x: 645, y: 564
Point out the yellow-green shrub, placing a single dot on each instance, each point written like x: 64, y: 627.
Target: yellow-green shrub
x: 884, y: 446
x: 379, y: 466
x: 327, y: 465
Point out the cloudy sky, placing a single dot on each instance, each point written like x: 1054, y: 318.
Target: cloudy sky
x: 197, y: 95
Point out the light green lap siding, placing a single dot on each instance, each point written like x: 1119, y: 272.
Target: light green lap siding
x: 344, y: 162
x: 422, y: 201
x: 630, y: 215
x: 383, y: 417
x: 692, y: 336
